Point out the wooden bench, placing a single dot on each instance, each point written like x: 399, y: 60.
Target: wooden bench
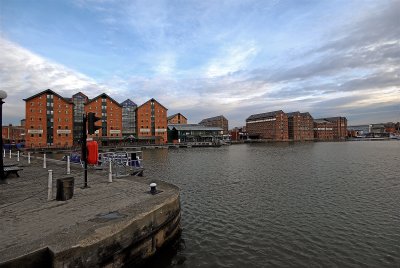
x: 11, y: 169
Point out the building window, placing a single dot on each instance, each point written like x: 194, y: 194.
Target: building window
x: 31, y: 135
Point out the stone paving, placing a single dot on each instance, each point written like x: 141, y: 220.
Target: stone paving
x: 29, y: 221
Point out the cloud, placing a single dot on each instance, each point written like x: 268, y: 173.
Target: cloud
x: 23, y: 74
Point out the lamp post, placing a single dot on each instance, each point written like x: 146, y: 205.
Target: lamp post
x: 3, y: 95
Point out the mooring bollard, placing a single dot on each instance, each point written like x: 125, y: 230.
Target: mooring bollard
x: 10, y: 153
x: 68, y: 165
x: 29, y: 157
x: 50, y: 185
x: 44, y: 160
x: 153, y: 189
x: 17, y: 156
x: 110, y: 172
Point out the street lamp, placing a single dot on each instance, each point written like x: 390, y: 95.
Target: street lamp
x: 3, y: 95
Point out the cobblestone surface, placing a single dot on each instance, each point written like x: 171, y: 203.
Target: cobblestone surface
x: 28, y: 221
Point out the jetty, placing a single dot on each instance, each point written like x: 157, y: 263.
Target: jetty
x: 108, y: 224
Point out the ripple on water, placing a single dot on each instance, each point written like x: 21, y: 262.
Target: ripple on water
x: 286, y: 205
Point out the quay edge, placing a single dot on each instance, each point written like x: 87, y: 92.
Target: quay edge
x: 75, y: 236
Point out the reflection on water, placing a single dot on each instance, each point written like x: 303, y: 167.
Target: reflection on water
x: 268, y: 205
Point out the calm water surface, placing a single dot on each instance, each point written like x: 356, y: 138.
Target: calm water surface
x: 298, y: 205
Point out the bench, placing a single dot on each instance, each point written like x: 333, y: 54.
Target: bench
x: 11, y: 169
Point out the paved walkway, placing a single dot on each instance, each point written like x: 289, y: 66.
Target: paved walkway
x: 28, y: 221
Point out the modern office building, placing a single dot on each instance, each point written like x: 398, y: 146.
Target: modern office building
x: 128, y: 118
x: 177, y: 119
x: 323, y: 130
x: 79, y: 99
x: 151, y: 122
x: 110, y: 112
x: 193, y: 133
x: 268, y: 126
x: 217, y: 121
x: 49, y: 120
x: 300, y: 126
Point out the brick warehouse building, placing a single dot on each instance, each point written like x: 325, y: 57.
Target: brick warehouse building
x: 269, y: 126
x: 110, y: 112
x: 79, y: 99
x: 339, y: 127
x: 300, y: 126
x: 217, y: 121
x: 323, y: 130
x: 177, y: 119
x: 128, y: 118
x: 151, y: 126
x: 49, y: 120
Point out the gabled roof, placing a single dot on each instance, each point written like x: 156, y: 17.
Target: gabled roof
x: 128, y: 102
x: 219, y: 117
x: 153, y: 100
x: 172, y: 116
x: 320, y: 121
x: 263, y: 115
x: 103, y: 95
x: 293, y: 114
x: 48, y: 91
x: 306, y: 114
x: 80, y: 94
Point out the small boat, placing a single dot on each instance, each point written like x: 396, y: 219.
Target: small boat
x: 124, y: 163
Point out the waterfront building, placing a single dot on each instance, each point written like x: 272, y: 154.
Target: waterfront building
x: 49, y: 120
x: 177, y: 119
x: 300, y: 126
x: 323, y: 130
x: 110, y: 112
x: 79, y: 99
x: 269, y: 126
x: 128, y: 118
x: 151, y: 122
x: 358, y: 130
x: 339, y: 128
x: 193, y: 133
x: 13, y: 134
x: 238, y: 133
x: 217, y: 121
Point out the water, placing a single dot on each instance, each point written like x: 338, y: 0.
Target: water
x: 280, y: 205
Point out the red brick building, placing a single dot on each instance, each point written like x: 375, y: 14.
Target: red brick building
x: 12, y: 134
x: 323, y: 130
x: 300, y: 126
x: 110, y: 112
x: 49, y: 120
x: 177, y: 119
x: 339, y: 128
x: 217, y: 121
x: 151, y: 121
x: 269, y: 126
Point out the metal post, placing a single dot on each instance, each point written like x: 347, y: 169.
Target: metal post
x: 10, y: 153
x: 110, y: 172
x: 68, y: 166
x: 50, y: 185
x: 3, y: 95
x: 29, y: 157
x: 17, y: 156
x: 4, y: 153
x: 44, y: 160
x: 84, y: 150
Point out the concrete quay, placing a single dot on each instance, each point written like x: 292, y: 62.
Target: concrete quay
x: 107, y: 225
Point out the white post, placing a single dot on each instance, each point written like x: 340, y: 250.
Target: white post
x: 17, y: 156
x: 4, y: 153
x: 29, y: 157
x: 10, y: 153
x: 50, y: 185
x: 44, y: 160
x: 110, y: 172
x: 68, y: 166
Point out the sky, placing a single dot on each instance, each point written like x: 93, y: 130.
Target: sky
x: 207, y: 58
